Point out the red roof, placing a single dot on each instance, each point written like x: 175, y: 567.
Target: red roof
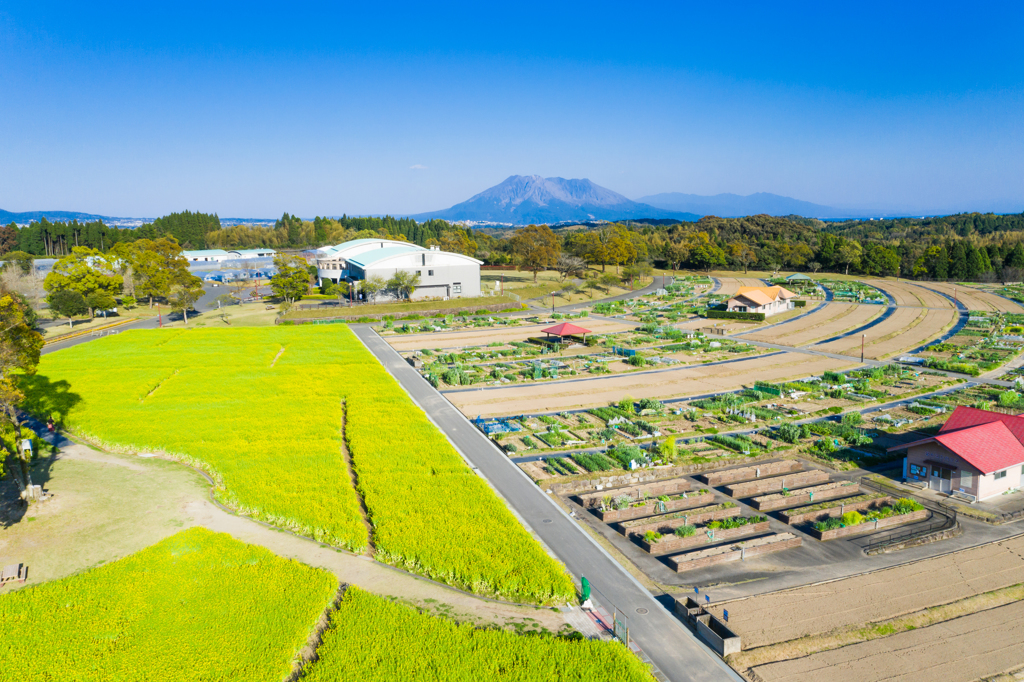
x: 988, y: 441
x: 565, y: 329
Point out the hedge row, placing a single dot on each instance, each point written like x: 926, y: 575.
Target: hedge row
x: 734, y: 315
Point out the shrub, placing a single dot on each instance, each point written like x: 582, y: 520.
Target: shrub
x: 828, y: 524
x: 733, y: 315
x: 637, y: 360
x: 1009, y: 398
x: 650, y: 537
x: 906, y: 505
x: 689, y: 530
x: 621, y: 502
x: 852, y: 518
x: 789, y: 433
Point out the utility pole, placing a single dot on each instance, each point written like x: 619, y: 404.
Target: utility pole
x: 862, y: 336
x: 159, y: 317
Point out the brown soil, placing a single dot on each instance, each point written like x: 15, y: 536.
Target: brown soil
x: 789, y: 614
x: 730, y: 285
x: 684, y: 381
x: 907, y: 294
x: 905, y: 329
x: 958, y: 650
x: 482, y: 337
x: 825, y: 315
x: 975, y: 299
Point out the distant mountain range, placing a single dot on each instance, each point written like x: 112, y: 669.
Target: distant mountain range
x: 524, y: 199
x: 7, y: 217
x: 735, y: 205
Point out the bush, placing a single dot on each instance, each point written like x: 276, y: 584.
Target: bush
x: 905, y: 505
x: 621, y: 502
x: 852, y: 518
x: 650, y: 537
x: 733, y: 315
x: 789, y: 433
x: 799, y: 304
x: 853, y: 418
x: 828, y: 524
x: 1009, y: 398
x: 689, y: 530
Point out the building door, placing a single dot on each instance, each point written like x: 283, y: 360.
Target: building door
x: 941, y: 479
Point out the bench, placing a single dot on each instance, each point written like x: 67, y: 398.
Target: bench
x: 14, y: 572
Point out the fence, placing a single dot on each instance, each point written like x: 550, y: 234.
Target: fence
x: 942, y: 519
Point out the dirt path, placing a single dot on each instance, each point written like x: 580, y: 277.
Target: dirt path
x: 959, y: 650
x: 685, y: 381
x: 106, y: 506
x: 789, y: 614
x: 482, y: 337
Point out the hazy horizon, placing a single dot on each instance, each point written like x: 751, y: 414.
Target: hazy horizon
x: 249, y: 111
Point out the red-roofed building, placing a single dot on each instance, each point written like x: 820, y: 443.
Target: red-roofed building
x: 566, y: 329
x: 976, y: 452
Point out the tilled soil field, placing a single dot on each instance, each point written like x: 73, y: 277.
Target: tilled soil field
x: 825, y: 315
x: 858, y: 317
x: 730, y: 285
x: 959, y: 650
x: 813, y: 609
x: 912, y: 295
x: 975, y: 299
x: 673, y: 383
x: 905, y: 329
x: 482, y: 337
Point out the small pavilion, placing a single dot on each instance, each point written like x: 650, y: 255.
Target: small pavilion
x: 566, y: 329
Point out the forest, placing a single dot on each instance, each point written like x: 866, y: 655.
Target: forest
x: 970, y: 246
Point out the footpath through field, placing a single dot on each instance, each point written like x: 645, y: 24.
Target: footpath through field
x: 673, y: 648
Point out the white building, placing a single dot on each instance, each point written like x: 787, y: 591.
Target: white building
x: 767, y: 300
x: 220, y: 255
x: 442, y: 274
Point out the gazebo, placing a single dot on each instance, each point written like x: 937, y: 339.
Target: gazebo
x: 566, y: 329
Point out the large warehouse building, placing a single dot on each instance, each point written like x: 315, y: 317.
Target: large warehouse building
x: 442, y: 274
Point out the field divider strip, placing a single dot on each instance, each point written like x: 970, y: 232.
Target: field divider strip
x: 157, y: 387
x: 371, y: 548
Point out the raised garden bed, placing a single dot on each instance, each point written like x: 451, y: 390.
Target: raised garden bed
x: 869, y: 526
x: 670, y: 487
x: 834, y: 508
x: 770, y: 485
x: 739, y: 551
x: 650, y: 507
x: 673, y: 543
x: 717, y: 478
x: 667, y: 523
x: 805, y: 496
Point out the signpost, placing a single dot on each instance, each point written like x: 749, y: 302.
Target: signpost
x: 584, y: 589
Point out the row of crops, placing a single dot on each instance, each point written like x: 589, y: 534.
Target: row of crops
x: 271, y: 432
x: 202, y: 606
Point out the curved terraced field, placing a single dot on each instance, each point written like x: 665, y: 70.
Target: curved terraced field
x: 730, y: 285
x: 907, y: 328
x: 673, y: 383
x: 907, y: 294
x: 975, y: 299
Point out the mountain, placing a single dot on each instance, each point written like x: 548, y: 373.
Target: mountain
x: 524, y: 199
x: 734, y: 205
x: 7, y: 217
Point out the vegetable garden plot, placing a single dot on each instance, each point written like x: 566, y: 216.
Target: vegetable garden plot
x: 371, y: 639
x: 459, y: 339
x: 273, y: 437
x: 196, y: 606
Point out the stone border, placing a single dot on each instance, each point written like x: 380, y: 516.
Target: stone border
x: 868, y: 526
x: 794, y: 516
x: 676, y: 544
x: 671, y: 486
x: 777, y: 501
x: 651, y: 508
x: 762, y: 486
x: 699, y: 515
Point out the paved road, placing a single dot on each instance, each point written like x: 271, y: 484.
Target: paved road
x: 673, y: 648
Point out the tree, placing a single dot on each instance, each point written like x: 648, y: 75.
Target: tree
x: 128, y: 302
x: 742, y: 254
x: 704, y: 253
x: 404, y: 282
x: 100, y: 300
x: 373, y: 285
x: 184, y: 296
x: 592, y: 285
x: 676, y: 253
x: 569, y: 266
x: 86, y: 271
x: 19, y: 355
x: 608, y: 280
x: 23, y: 261
x: 455, y: 241
x: 67, y: 303
x: 848, y: 254
x: 667, y: 449
x: 292, y: 279
x: 814, y: 266
x: 537, y: 248
x: 152, y: 266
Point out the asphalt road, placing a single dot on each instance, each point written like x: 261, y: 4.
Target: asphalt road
x: 672, y: 647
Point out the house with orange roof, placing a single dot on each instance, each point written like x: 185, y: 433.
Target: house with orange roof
x: 767, y: 300
x: 976, y: 452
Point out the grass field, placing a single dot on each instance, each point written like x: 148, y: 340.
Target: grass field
x: 198, y: 606
x: 262, y: 409
x: 371, y: 639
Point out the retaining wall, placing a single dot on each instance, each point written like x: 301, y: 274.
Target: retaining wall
x: 954, y: 532
x: 870, y: 526
x: 669, y: 522
x: 714, y: 632
x: 818, y: 493
x: 736, y: 552
x: 674, y: 543
x: 571, y: 487
x: 717, y: 478
x: 769, y: 485
x: 669, y: 487
x: 799, y: 516
x: 445, y: 310
x: 649, y: 509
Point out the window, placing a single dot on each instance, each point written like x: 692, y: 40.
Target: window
x: 457, y: 288
x: 419, y: 273
x: 430, y: 273
x: 966, y: 479
x: 999, y: 474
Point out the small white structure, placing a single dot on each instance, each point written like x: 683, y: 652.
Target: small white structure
x: 767, y: 300
x: 220, y: 255
x: 442, y: 274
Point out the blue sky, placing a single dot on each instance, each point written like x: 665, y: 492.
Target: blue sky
x: 133, y: 109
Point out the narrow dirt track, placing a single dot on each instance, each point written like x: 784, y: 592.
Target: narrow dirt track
x: 482, y: 337
x: 783, y: 616
x: 695, y: 380
x: 960, y: 650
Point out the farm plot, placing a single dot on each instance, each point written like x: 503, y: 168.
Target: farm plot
x: 907, y: 294
x: 598, y: 392
x: 973, y: 647
x: 784, y: 616
x: 730, y: 285
x: 482, y: 337
x: 974, y: 299
x: 903, y: 330
x: 371, y: 638
x: 197, y: 605
x: 262, y: 410
x: 852, y: 317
